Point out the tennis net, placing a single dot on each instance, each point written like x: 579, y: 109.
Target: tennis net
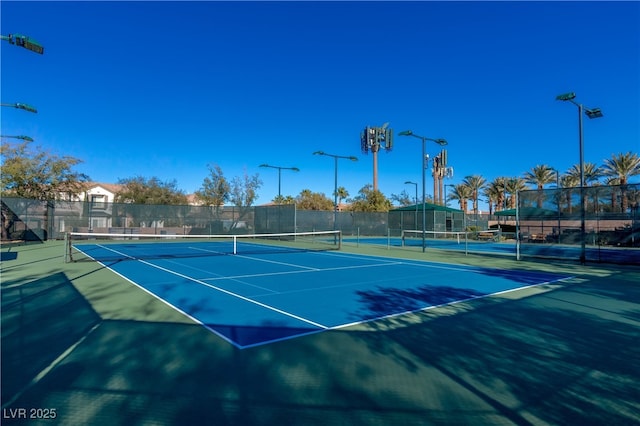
x: 115, y: 246
x: 448, y: 238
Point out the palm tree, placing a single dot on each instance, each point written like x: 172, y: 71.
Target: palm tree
x: 594, y: 192
x: 461, y: 193
x: 495, y: 193
x: 569, y: 181
x: 342, y: 193
x: 622, y: 167
x: 476, y: 184
x: 610, y: 182
x: 512, y: 187
x: 539, y: 176
x: 591, y: 173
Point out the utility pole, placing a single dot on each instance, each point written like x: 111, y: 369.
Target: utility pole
x: 371, y: 139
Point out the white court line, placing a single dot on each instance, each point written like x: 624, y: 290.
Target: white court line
x: 230, y: 293
x: 220, y: 276
x: 268, y: 274
x: 261, y: 260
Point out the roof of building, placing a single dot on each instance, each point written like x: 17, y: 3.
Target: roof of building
x: 428, y: 207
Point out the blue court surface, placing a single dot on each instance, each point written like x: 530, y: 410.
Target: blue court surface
x: 268, y: 296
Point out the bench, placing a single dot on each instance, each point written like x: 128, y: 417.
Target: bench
x: 486, y: 236
x: 537, y: 238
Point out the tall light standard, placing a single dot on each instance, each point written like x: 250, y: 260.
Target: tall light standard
x: 423, y: 167
x: 21, y: 106
x: 591, y: 113
x: 295, y: 169
x: 335, y: 185
x: 416, y: 201
x: 24, y: 41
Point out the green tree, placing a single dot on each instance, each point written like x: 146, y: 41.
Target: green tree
x: 539, y: 176
x: 140, y: 190
x: 591, y: 173
x: 370, y: 200
x: 461, y: 193
x: 403, y: 199
x: 36, y: 174
x: 39, y: 175
x: 512, y: 187
x: 281, y: 199
x: 569, y: 181
x: 155, y: 195
x: 215, y: 190
x: 342, y: 194
x: 476, y: 184
x: 244, y: 192
x: 495, y: 192
x: 621, y: 167
x: 308, y: 200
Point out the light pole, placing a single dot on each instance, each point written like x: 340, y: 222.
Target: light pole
x: 335, y: 185
x: 416, y: 200
x: 21, y: 106
x: 22, y: 137
x: 591, y: 113
x: 295, y: 169
x: 423, y: 167
x: 24, y: 41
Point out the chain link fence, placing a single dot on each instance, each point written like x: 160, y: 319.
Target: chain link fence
x: 597, y: 223
x: 50, y: 220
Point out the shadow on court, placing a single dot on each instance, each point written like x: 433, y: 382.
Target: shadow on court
x: 40, y: 320
x: 565, y: 356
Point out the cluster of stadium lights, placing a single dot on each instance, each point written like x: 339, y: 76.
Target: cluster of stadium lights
x: 34, y: 46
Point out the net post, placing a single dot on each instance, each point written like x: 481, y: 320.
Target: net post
x: 67, y: 248
x: 339, y: 239
x: 235, y: 244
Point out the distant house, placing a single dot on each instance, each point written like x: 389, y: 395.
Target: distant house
x: 100, y: 197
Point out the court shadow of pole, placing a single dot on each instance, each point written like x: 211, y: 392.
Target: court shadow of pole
x: 562, y: 357
x: 41, y: 319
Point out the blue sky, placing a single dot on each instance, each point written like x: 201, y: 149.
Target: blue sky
x: 162, y: 89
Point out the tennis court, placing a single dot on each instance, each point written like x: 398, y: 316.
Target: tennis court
x: 253, y: 292
x: 465, y: 242
x: 489, y: 243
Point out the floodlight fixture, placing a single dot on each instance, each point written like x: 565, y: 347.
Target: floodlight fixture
x: 566, y: 97
x: 593, y: 112
x: 23, y: 106
x: 24, y: 41
x: 21, y: 137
